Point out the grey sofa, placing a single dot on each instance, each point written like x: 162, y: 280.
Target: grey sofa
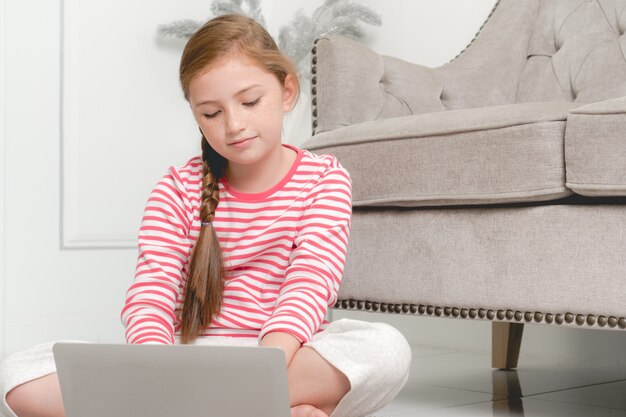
x: 492, y: 187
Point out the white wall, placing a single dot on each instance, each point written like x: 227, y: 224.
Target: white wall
x: 2, y: 195
x: 49, y: 293
x: 69, y: 182
x: 424, y: 31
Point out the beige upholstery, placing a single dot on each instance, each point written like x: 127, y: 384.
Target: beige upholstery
x: 595, y: 149
x: 492, y: 187
x: 534, y: 258
x: 528, y: 51
x: 574, y: 46
x: 485, y: 155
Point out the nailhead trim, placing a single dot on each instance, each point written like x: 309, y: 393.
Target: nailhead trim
x: 589, y: 320
x: 479, y: 30
x: 313, y: 83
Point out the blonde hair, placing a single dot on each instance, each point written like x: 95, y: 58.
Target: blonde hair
x: 223, y: 35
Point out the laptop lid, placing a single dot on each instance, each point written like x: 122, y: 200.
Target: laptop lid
x: 103, y: 380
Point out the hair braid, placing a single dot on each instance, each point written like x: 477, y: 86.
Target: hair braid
x: 205, y: 285
x: 210, y: 194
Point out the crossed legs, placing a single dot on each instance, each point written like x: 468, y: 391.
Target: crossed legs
x: 315, y: 386
x: 38, y: 398
x: 315, y: 389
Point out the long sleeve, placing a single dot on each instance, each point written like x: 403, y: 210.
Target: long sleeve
x: 317, y: 260
x: 283, y: 249
x: 164, y: 247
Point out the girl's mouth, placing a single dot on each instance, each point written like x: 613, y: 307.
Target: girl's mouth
x: 243, y: 142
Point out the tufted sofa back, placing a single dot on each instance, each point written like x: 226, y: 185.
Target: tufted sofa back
x: 526, y: 51
x: 576, y: 52
x: 541, y: 50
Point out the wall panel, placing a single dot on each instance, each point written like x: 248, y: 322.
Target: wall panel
x: 2, y: 173
x: 124, y: 119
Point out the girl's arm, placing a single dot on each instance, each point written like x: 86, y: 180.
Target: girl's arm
x: 316, y: 263
x: 288, y: 343
x: 164, y: 247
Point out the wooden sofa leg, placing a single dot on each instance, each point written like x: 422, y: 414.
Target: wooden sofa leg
x: 506, y: 339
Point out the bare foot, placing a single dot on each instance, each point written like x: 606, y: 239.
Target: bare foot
x: 305, y: 410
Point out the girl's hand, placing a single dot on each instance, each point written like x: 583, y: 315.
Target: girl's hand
x: 288, y: 343
x: 306, y: 410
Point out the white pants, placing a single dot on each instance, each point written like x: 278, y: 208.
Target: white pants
x: 375, y: 358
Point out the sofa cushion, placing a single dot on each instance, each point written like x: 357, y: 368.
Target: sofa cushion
x: 547, y: 258
x: 486, y: 155
x: 595, y: 149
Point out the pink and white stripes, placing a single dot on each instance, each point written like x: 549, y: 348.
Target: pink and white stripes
x: 284, y: 252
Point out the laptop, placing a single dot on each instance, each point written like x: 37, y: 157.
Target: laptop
x: 121, y: 380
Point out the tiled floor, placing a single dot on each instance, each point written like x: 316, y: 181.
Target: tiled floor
x: 448, y: 383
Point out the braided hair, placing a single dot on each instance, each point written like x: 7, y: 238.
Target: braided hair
x: 205, y: 285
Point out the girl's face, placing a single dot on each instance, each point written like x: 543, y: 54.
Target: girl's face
x: 240, y: 107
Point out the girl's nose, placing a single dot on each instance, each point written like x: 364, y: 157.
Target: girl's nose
x: 234, y: 122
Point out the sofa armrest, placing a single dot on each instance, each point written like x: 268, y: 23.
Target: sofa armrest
x: 352, y: 84
x: 595, y: 149
x: 612, y: 106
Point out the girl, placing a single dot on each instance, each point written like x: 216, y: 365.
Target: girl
x: 246, y: 244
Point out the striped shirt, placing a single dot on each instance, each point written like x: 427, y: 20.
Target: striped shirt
x: 284, y: 252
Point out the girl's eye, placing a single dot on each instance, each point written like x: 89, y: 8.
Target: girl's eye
x: 252, y: 103
x: 212, y: 115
